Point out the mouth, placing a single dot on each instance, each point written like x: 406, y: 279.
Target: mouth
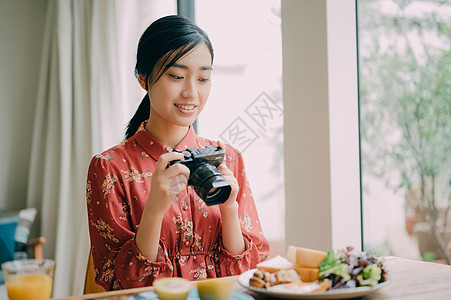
x: 185, y: 107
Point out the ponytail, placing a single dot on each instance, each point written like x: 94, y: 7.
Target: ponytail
x: 141, y: 114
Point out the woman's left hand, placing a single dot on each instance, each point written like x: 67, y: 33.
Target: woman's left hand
x: 230, y: 178
x: 232, y: 238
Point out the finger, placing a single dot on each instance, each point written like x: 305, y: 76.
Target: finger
x: 177, y: 184
x: 227, y: 174
x: 176, y: 170
x: 224, y: 170
x: 174, y: 190
x: 179, y: 179
x: 165, y: 158
x: 222, y: 145
x: 177, y: 187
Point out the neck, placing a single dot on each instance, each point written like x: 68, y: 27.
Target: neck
x: 169, y: 136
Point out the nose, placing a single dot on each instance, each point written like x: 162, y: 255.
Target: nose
x: 189, y: 89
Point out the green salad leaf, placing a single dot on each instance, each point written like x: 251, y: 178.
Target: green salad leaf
x: 340, y: 269
x: 370, y: 275
x: 348, y: 268
x: 329, y: 262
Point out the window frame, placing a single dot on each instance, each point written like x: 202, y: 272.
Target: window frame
x: 322, y: 157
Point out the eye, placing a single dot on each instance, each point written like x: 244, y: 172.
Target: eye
x: 176, y: 76
x: 204, y: 79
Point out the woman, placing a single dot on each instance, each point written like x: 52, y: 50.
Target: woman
x: 145, y: 222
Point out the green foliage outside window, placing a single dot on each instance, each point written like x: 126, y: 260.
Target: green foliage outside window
x: 405, y: 109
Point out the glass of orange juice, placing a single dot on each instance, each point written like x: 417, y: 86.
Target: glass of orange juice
x: 29, y: 279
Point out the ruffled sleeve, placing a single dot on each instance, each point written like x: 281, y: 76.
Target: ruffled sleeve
x: 257, y: 247
x: 118, y: 262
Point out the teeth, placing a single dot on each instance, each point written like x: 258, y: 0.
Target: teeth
x: 186, y: 107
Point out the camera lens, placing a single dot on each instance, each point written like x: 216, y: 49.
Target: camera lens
x: 209, y: 184
x: 219, y: 193
x: 213, y: 193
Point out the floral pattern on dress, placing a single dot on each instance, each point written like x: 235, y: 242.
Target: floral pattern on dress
x: 246, y: 222
x: 144, y: 155
x: 116, y: 285
x: 106, y: 157
x: 183, y: 259
x: 167, y: 148
x: 108, y: 184
x: 149, y: 271
x: 200, y: 272
x: 123, y: 143
x: 134, y: 176
x: 202, y: 207
x: 197, y: 244
x: 105, y: 230
x: 88, y: 191
x: 126, y: 208
x: 108, y: 271
x: 184, y: 228
x: 183, y: 204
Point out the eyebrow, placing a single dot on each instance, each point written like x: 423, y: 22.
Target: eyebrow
x: 185, y: 67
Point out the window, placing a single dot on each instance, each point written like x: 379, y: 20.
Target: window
x: 245, y: 105
x: 405, y: 125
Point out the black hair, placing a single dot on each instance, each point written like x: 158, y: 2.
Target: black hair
x: 163, y: 43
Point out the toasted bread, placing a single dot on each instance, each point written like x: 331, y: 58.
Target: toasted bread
x: 304, y: 257
x: 307, y: 274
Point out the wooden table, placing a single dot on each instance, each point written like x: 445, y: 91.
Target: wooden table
x: 415, y: 280
x: 409, y: 280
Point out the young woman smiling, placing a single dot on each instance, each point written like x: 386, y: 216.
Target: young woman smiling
x: 145, y: 221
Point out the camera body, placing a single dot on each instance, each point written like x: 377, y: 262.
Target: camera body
x: 204, y: 176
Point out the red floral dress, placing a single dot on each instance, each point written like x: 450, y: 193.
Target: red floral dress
x: 118, y: 185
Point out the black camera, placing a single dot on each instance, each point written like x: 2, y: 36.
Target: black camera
x: 204, y: 176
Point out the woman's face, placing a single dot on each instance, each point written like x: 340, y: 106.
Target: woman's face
x: 180, y: 94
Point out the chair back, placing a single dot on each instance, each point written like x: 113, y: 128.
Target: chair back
x: 91, y: 285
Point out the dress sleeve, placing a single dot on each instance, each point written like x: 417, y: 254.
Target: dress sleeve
x: 118, y: 263
x: 257, y: 247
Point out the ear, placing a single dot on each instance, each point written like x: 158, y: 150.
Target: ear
x: 142, y: 81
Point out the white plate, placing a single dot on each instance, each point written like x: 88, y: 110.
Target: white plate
x: 243, y: 279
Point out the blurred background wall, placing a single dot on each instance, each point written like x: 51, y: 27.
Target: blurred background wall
x: 21, y: 34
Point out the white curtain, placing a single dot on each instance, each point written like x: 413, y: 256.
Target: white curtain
x: 87, y: 93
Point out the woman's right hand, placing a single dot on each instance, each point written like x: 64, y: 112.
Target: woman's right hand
x: 167, y: 182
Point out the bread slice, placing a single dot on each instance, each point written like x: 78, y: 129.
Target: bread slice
x: 307, y: 274
x: 275, y: 264
x: 304, y: 257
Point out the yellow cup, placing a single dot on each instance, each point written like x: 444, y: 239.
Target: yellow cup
x: 172, y: 288
x: 214, y: 289
x: 29, y: 279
